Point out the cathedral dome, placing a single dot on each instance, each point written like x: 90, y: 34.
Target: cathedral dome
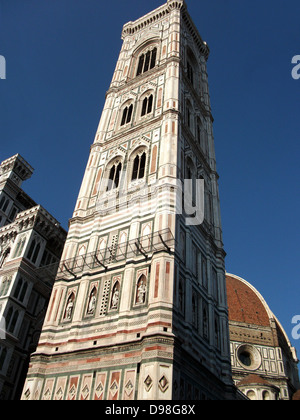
x: 247, y: 306
x: 261, y: 354
x: 245, y: 303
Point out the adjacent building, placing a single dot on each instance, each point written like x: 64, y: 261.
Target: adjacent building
x: 264, y: 364
x: 29, y: 238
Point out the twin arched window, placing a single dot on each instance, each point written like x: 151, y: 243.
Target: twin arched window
x: 114, y: 176
x: 127, y: 115
x: 138, y: 170
x: 147, y: 61
x: 139, y: 166
x: 147, y: 105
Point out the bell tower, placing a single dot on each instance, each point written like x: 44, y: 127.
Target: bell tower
x: 138, y: 309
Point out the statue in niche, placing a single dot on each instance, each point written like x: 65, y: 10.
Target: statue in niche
x: 92, y: 302
x: 115, y: 296
x: 70, y: 307
x: 141, y: 290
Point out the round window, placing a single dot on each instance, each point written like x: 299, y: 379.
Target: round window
x: 245, y: 358
x: 248, y: 357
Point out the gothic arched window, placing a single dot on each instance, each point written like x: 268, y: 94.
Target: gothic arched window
x: 147, y: 105
x: 139, y: 166
x: 114, y: 176
x: 147, y: 61
x: 127, y: 114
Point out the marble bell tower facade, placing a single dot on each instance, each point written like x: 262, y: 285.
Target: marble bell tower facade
x: 139, y: 308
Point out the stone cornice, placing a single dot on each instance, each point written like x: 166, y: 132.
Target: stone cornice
x: 35, y: 218
x: 131, y: 84
x: 156, y: 15
x: 19, y: 165
x: 202, y: 45
x: 160, y: 13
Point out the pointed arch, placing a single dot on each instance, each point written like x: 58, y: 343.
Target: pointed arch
x: 141, y: 290
x: 127, y: 114
x: 147, y: 105
x: 115, y: 296
x: 137, y: 167
x: 146, y: 236
x: 146, y: 60
x: 92, y: 301
x: 82, y: 250
x: 112, y: 176
x: 69, y: 307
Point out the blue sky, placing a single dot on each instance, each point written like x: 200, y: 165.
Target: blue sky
x: 60, y: 57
